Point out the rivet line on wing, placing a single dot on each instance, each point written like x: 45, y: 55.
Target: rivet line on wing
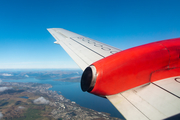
x: 87, y: 47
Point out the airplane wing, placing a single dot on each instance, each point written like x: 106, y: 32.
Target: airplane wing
x: 154, y: 100
x: 84, y: 51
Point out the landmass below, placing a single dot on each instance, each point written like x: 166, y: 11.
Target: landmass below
x: 27, y: 101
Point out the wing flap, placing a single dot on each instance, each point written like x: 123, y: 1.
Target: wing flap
x: 150, y: 100
x: 127, y: 109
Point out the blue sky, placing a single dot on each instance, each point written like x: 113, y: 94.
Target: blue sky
x: 25, y: 42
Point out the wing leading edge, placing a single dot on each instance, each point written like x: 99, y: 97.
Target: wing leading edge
x: 157, y: 100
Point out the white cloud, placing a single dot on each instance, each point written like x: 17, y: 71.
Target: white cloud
x: 1, y: 115
x: 41, y: 100
x: 26, y: 75
x: 6, y: 74
x: 4, y: 88
x: 39, y: 65
x: 1, y: 81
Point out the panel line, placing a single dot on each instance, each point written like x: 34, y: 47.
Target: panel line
x: 87, y: 47
x: 69, y: 48
x: 166, y: 90
x: 135, y: 107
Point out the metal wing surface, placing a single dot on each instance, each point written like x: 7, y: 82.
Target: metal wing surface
x: 84, y: 51
x: 157, y: 100
x: 154, y: 101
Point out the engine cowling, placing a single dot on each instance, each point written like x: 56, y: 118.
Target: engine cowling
x: 133, y: 67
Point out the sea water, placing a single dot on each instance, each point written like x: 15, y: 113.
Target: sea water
x: 73, y: 92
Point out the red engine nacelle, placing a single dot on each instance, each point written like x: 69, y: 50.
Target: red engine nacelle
x: 133, y: 67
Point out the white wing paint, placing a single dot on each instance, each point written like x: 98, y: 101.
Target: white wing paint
x: 84, y: 51
x: 158, y: 100
x: 152, y: 101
